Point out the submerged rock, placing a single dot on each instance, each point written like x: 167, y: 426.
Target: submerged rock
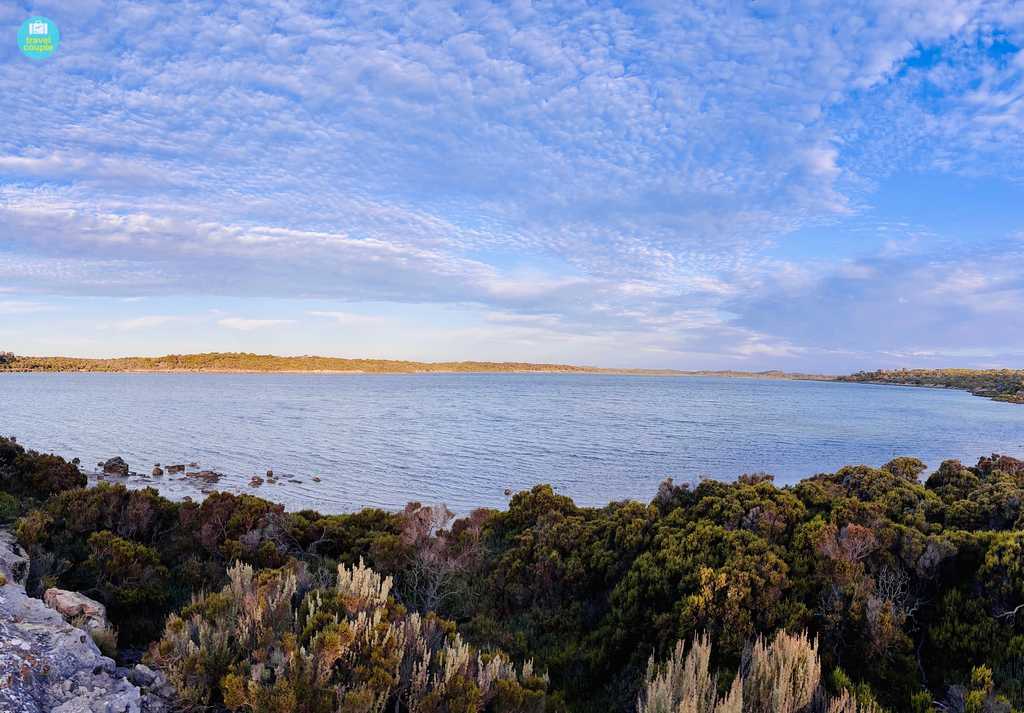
x: 180, y: 468
x: 210, y: 476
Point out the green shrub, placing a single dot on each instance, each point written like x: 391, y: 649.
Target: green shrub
x: 10, y: 507
x: 900, y: 582
x: 35, y: 475
x: 129, y: 578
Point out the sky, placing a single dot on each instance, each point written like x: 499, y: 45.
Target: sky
x: 816, y: 186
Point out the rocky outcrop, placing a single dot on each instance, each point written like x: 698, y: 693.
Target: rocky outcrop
x: 49, y: 666
x: 115, y: 466
x: 14, y: 563
x: 74, y: 607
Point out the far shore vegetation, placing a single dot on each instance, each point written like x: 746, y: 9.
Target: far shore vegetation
x: 245, y: 362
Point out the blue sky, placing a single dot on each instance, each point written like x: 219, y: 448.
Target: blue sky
x: 748, y: 185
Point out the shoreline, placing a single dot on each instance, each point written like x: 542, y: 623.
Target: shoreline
x: 1006, y: 385
x: 586, y: 372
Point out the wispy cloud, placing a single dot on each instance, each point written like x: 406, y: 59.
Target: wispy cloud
x: 16, y: 307
x: 146, y: 322
x: 347, y: 319
x: 248, y: 325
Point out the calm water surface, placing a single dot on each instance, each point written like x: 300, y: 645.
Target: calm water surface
x: 463, y: 439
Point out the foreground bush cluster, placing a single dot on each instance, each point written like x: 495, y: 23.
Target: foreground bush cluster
x: 897, y: 594
x: 268, y: 642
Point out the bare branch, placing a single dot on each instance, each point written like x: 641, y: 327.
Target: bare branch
x: 1011, y: 613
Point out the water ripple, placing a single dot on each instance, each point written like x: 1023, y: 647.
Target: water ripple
x: 382, y: 440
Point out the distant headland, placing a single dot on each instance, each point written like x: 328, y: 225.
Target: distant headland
x: 241, y: 362
x: 996, y: 384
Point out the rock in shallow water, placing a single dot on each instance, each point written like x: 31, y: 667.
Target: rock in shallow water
x: 209, y: 476
x: 116, y: 466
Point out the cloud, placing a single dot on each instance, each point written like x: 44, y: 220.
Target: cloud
x: 347, y: 319
x: 957, y: 301
x: 615, y: 172
x: 248, y: 325
x: 17, y: 307
x: 146, y: 322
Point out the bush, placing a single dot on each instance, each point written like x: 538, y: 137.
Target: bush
x: 105, y: 639
x: 129, y: 578
x: 9, y: 507
x: 263, y: 644
x: 34, y: 475
x: 783, y: 676
x: 900, y: 582
x: 186, y: 545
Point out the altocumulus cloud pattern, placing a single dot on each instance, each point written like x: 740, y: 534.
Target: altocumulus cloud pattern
x: 815, y: 185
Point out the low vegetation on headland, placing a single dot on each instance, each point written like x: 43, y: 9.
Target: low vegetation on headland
x: 867, y: 589
x: 244, y: 362
x: 998, y: 384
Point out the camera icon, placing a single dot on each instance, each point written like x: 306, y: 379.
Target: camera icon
x: 38, y: 28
